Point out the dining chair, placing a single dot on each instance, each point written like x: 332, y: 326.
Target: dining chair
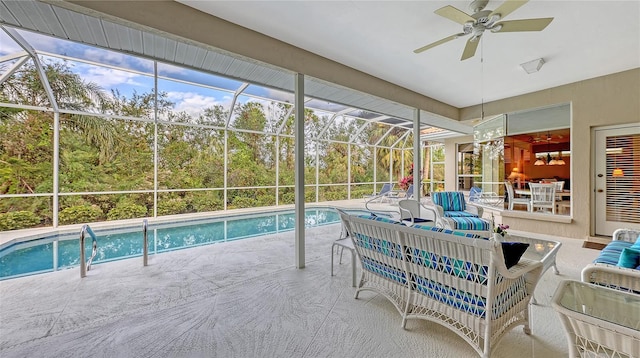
x: 543, y: 196
x: 512, y: 197
x: 559, y: 187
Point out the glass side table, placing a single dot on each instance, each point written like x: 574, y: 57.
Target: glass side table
x: 598, y: 321
x: 541, y: 250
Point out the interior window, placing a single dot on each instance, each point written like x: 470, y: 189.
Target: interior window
x: 540, y: 157
x: 469, y: 166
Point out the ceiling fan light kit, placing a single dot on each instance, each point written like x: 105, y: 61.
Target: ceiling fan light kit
x: 481, y: 20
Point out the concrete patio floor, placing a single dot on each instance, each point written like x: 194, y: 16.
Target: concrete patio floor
x: 243, y: 299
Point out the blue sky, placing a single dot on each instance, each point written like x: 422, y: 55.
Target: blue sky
x: 130, y: 73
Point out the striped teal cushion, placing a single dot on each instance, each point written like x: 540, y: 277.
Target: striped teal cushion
x: 447, y: 231
x: 471, y: 223
x: 380, y: 219
x: 463, y: 269
x: 383, y: 246
x: 457, y: 214
x: 449, y: 200
x: 384, y: 270
x: 611, y: 253
x: 452, y: 296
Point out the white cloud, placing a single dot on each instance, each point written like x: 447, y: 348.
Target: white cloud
x: 119, y: 59
x: 8, y: 45
x: 194, y: 103
x: 108, y: 78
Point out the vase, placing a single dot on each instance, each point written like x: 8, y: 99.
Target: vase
x: 498, y: 237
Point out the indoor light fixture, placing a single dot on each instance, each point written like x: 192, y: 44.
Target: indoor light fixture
x: 539, y: 162
x: 515, y: 173
x: 560, y: 161
x: 532, y: 66
x: 617, y: 172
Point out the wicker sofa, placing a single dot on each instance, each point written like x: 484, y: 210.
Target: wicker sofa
x: 604, y: 271
x: 456, y: 279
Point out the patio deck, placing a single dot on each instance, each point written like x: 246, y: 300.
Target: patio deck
x: 243, y: 299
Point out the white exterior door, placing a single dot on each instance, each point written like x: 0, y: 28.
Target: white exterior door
x: 617, y: 178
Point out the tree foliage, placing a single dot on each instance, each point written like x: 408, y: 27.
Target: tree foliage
x: 112, y: 153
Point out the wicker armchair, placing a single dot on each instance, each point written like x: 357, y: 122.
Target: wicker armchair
x: 454, y: 213
x: 604, y: 272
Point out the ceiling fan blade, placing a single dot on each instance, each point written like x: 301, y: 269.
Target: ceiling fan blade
x: 454, y: 14
x: 523, y: 25
x: 470, y: 48
x: 439, y: 42
x: 508, y: 7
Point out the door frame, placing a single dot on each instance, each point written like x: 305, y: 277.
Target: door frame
x: 598, y: 157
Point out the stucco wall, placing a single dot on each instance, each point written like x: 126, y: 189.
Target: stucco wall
x: 601, y: 101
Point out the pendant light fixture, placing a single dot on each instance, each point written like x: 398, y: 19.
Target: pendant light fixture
x: 549, y: 160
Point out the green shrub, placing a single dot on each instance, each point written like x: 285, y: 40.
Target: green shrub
x: 287, y: 196
x: 127, y: 211
x: 334, y: 195
x: 14, y: 220
x: 266, y: 200
x: 209, y: 202
x: 242, y: 202
x: 80, y: 214
x: 172, y: 206
x: 309, y: 196
x: 360, y: 193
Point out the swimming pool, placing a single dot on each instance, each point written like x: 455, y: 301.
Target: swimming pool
x: 57, y: 252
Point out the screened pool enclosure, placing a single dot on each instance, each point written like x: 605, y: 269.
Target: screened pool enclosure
x: 90, y: 134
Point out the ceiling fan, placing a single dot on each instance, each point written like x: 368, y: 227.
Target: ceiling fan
x: 481, y: 20
x: 547, y: 139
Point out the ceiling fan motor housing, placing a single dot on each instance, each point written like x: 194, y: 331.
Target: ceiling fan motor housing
x: 482, y: 22
x: 478, y: 5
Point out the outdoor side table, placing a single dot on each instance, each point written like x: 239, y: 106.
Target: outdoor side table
x: 598, y: 321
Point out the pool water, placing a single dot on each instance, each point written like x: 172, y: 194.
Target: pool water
x: 57, y: 252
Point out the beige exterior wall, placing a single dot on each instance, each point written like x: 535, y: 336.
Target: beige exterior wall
x: 602, y: 101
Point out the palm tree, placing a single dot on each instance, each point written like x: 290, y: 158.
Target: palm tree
x: 70, y: 92
x: 390, y: 157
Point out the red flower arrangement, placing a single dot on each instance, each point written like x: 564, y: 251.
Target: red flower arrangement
x: 406, y: 181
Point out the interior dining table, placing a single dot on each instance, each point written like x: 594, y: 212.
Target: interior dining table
x: 563, y: 206
x: 527, y: 192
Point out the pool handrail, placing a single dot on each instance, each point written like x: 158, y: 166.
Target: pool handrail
x: 84, y: 268
x: 145, y: 241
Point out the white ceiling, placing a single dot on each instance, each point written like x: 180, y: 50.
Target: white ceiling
x: 586, y: 39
